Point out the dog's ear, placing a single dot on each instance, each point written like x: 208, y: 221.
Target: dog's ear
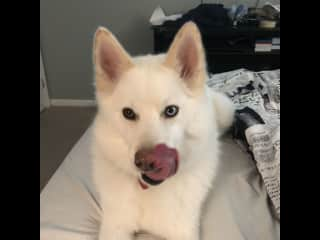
x: 186, y: 56
x: 110, y: 59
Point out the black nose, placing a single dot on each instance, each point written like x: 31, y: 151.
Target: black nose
x: 143, y: 161
x: 138, y: 162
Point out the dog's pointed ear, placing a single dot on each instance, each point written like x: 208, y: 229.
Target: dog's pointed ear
x: 110, y: 59
x: 186, y: 56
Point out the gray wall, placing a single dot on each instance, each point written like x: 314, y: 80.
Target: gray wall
x: 66, y: 34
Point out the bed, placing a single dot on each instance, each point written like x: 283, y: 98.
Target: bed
x: 237, y: 208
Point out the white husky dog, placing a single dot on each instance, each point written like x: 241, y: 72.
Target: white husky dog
x: 155, y: 143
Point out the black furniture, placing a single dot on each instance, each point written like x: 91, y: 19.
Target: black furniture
x: 227, y: 48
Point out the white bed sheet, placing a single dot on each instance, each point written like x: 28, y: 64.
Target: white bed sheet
x: 236, y: 209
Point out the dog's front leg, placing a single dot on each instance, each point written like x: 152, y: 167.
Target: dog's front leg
x: 115, y: 231
x: 184, y: 235
x: 188, y: 230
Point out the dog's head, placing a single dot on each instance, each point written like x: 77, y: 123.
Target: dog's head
x: 148, y: 106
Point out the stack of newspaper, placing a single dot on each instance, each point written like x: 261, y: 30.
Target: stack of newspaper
x: 256, y: 96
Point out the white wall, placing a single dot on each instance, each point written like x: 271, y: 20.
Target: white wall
x: 67, y: 28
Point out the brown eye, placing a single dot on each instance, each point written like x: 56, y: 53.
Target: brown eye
x: 171, y: 111
x: 129, y: 114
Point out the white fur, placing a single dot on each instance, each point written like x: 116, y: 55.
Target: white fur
x: 225, y: 109
x: 172, y: 209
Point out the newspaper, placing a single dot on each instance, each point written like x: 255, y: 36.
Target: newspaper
x: 256, y: 96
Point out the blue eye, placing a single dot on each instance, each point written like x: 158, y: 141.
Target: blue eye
x: 129, y: 114
x: 171, y: 111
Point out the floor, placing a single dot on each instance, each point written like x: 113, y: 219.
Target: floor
x: 60, y: 129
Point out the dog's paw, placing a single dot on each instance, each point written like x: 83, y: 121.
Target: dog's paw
x: 224, y: 111
x: 146, y: 236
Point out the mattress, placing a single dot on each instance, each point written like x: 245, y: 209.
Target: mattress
x: 237, y: 208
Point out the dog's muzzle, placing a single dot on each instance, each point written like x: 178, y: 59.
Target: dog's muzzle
x: 156, y: 164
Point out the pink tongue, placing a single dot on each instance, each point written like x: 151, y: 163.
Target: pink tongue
x: 165, y: 161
